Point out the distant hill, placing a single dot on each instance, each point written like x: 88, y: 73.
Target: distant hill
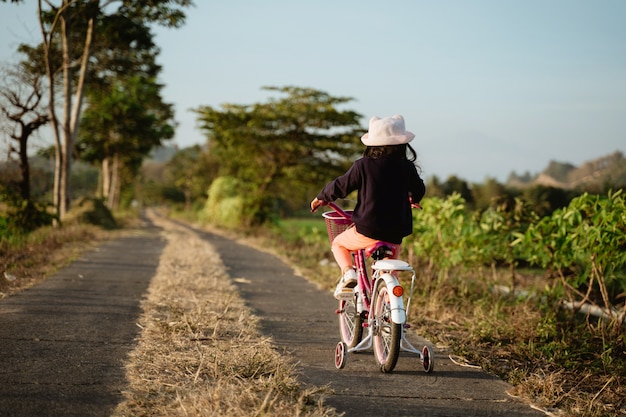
x: 600, y: 173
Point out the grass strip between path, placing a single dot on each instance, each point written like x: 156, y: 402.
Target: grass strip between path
x: 200, y: 351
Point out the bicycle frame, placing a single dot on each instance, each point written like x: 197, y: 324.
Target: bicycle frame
x: 364, y: 282
x: 381, y: 270
x: 386, y: 270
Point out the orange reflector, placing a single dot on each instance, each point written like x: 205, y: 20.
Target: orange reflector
x: 398, y: 291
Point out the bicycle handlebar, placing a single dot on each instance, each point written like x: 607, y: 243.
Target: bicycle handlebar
x: 339, y: 211
x: 348, y: 217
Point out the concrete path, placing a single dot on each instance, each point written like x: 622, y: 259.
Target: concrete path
x: 63, y: 343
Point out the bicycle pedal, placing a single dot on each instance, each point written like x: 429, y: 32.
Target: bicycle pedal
x: 345, y: 294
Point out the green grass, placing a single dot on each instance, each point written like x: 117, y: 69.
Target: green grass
x: 298, y: 228
x: 304, y: 242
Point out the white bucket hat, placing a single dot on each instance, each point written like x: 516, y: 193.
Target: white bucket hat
x: 387, y: 131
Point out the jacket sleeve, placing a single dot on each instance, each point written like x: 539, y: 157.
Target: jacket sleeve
x: 418, y: 189
x: 341, y: 186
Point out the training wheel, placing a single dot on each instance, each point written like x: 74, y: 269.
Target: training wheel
x: 428, y: 359
x: 341, y: 352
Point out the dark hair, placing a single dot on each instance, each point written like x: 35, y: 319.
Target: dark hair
x: 404, y: 151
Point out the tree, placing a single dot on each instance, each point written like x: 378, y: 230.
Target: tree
x: 455, y: 184
x: 488, y: 193
x: 546, y: 200
x: 125, y: 117
x: 67, y: 31
x: 192, y: 170
x: 434, y: 188
x: 122, y: 124
x: 279, y: 149
x: 21, y: 106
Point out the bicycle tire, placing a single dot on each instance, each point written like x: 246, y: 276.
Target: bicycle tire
x: 350, y: 323
x: 387, y: 334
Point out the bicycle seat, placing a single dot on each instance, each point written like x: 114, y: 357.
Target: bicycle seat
x: 381, y: 250
x: 392, y: 265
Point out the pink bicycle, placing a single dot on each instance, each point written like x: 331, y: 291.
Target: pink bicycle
x: 375, y: 304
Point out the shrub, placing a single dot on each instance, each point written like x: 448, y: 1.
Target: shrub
x: 224, y: 206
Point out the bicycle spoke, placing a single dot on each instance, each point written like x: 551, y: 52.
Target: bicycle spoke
x: 387, y: 334
x: 350, y: 323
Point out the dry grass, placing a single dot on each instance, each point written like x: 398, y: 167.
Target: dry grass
x: 526, y: 346
x: 200, y: 352
x: 30, y: 258
x: 40, y: 254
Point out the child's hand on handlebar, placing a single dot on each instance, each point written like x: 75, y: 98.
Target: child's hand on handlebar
x: 414, y: 205
x: 316, y: 203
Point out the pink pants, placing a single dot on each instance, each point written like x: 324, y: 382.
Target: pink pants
x: 350, y: 240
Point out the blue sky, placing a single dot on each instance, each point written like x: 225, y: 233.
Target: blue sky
x: 488, y: 87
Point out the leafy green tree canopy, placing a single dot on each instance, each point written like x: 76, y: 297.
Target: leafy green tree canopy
x: 281, y: 147
x: 71, y: 46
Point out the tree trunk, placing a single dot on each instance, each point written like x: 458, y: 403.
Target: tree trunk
x: 24, y: 165
x: 113, y: 197
x: 106, y: 178
x: 58, y: 160
x: 117, y: 190
x: 27, y: 131
x: 65, y: 147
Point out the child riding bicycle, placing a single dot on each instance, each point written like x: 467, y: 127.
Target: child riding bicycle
x: 388, y: 186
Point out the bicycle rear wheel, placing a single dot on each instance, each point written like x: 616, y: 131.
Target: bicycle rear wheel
x: 387, y: 334
x: 350, y: 323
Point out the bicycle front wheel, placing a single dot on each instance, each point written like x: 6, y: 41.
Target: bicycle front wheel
x: 387, y: 334
x: 350, y: 323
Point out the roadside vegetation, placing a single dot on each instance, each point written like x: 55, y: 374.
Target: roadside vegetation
x: 29, y: 256
x: 538, y: 302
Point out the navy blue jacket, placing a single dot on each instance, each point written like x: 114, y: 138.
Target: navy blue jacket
x: 383, y: 210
